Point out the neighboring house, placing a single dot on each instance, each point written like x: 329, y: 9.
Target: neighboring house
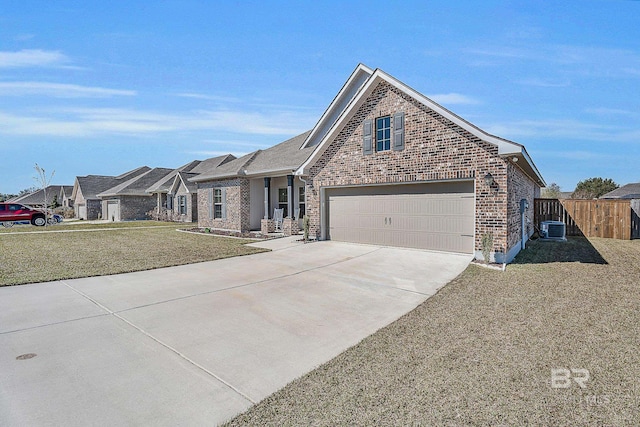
x: 176, y: 196
x: 629, y: 191
x: 129, y: 200
x: 384, y: 165
x: 36, y: 199
x: 565, y: 194
x: 86, y: 203
x: 241, y: 195
x: 64, y: 197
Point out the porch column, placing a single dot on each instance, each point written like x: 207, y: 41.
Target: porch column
x: 267, y: 204
x: 290, y: 195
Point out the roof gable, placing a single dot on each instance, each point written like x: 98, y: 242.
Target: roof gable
x: 353, y: 101
x: 181, y: 180
x: 346, y: 94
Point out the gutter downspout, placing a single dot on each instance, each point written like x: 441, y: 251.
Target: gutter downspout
x: 524, y: 205
x: 305, y: 192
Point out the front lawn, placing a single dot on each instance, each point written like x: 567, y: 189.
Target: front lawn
x: 100, y: 249
x: 481, y: 351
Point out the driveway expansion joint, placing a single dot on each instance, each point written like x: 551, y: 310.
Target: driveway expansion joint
x: 163, y: 344
x: 248, y: 284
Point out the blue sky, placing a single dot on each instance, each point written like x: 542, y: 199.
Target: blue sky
x: 104, y: 87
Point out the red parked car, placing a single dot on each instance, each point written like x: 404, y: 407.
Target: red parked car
x: 15, y: 212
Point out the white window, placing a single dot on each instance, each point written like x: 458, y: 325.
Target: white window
x: 217, y: 203
x: 182, y: 205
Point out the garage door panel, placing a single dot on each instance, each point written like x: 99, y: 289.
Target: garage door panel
x: 407, y: 218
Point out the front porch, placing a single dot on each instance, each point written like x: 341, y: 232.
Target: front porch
x: 277, y: 192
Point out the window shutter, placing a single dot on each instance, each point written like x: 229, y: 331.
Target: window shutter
x: 169, y: 202
x: 210, y: 202
x: 223, y: 196
x: 398, y: 132
x: 367, y: 137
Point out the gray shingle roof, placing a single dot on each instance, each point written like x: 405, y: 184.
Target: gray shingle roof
x: 137, y: 185
x: 210, y: 164
x: 91, y: 185
x: 283, y: 157
x: 232, y: 168
x: 37, y: 197
x: 629, y: 191
x: 195, y: 167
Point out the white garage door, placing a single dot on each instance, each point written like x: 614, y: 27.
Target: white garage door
x: 82, y: 211
x: 422, y: 216
x: 113, y: 211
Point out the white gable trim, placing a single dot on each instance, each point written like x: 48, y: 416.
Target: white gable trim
x: 505, y: 147
x: 348, y: 91
x: 177, y: 181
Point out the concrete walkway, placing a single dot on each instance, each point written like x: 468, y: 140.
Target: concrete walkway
x: 197, y: 344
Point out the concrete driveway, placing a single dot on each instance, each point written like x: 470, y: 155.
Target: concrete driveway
x: 197, y: 344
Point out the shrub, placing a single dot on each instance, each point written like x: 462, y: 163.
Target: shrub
x: 165, y: 215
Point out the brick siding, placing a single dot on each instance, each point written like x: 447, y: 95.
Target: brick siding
x: 238, y: 204
x: 436, y: 149
x: 520, y: 187
x: 132, y: 207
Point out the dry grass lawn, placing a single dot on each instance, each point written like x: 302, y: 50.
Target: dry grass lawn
x: 481, y: 351
x: 105, y: 249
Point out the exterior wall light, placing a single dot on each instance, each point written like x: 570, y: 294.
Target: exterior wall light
x: 488, y: 179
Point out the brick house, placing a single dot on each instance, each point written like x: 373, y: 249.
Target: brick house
x: 84, y: 196
x: 386, y: 165
x: 129, y: 200
x: 241, y: 195
x: 175, y: 196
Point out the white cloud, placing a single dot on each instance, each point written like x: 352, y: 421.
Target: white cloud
x: 32, y: 58
x: 59, y: 90
x: 563, y: 129
x: 613, y: 112
x: 453, y: 99
x: 83, y: 122
x: 544, y: 83
x: 208, y: 97
x: 580, y: 155
x: 580, y: 60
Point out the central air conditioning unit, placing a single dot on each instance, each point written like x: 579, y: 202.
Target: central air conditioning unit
x: 553, y: 230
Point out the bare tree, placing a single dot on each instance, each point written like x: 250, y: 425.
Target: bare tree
x: 43, y: 180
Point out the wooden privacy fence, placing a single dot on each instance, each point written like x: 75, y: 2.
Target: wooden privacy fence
x: 590, y: 218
